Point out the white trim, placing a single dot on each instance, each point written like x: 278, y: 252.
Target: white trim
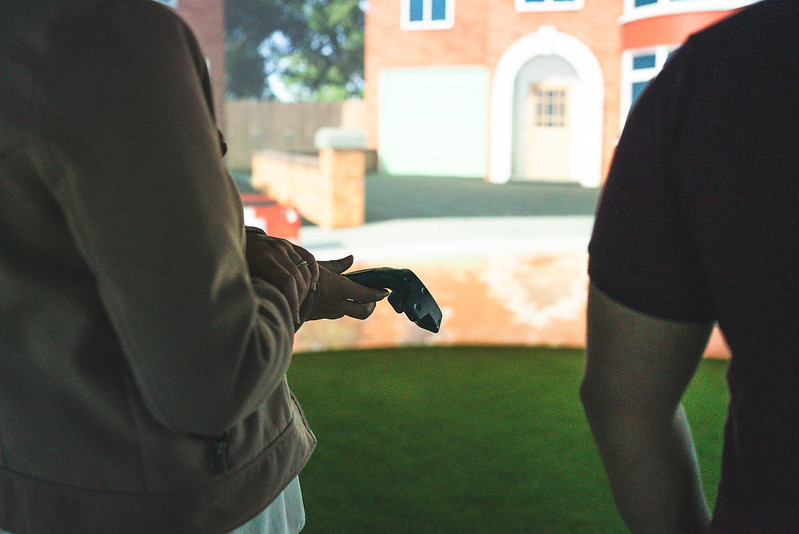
x: 675, y: 7
x: 549, y: 5
x: 427, y: 22
x: 587, y: 112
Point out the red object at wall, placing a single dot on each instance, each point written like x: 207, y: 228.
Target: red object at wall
x: 272, y: 217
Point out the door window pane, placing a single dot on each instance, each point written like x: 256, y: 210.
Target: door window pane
x: 550, y: 108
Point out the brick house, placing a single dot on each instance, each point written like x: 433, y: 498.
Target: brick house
x: 207, y: 20
x: 515, y: 89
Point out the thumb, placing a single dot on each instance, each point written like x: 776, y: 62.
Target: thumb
x: 338, y: 266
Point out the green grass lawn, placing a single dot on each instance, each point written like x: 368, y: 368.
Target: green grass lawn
x: 466, y: 440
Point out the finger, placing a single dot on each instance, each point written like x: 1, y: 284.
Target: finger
x: 295, y: 280
x: 288, y: 286
x: 361, y: 293
x: 312, y: 264
x: 286, y: 272
x: 299, y: 268
x: 358, y: 310
x: 338, y: 266
x: 269, y: 250
x: 275, y: 260
x: 301, y: 276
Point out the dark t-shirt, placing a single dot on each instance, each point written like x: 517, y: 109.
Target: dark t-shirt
x: 699, y: 221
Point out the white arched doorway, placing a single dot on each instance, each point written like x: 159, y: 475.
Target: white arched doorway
x: 548, y: 57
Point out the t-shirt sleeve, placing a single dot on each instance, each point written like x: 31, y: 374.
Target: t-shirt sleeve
x: 641, y: 252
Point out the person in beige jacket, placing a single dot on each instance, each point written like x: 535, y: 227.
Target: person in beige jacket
x: 144, y: 335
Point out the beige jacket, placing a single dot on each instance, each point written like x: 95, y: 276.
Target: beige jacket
x: 142, y: 370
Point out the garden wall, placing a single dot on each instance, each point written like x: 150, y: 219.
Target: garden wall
x: 254, y: 125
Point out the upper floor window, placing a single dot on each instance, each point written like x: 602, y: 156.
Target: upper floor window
x: 639, y: 67
x: 427, y: 14
x: 549, y: 5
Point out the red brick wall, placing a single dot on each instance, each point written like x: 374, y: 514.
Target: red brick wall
x: 207, y: 20
x: 483, y: 31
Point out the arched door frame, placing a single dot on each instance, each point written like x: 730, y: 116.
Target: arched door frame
x: 587, y: 113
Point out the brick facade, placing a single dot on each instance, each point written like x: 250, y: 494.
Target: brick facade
x: 483, y: 31
x: 207, y: 20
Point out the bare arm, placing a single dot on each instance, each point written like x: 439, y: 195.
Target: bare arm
x: 638, y: 367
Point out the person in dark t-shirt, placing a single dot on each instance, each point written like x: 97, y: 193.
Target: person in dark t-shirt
x: 699, y: 223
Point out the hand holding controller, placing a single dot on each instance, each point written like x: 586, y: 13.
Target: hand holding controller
x: 408, y: 294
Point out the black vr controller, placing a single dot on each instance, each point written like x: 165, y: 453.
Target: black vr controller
x: 408, y: 294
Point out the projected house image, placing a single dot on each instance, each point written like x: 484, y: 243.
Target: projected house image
x: 515, y: 89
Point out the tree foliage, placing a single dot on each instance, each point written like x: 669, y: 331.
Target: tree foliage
x: 315, y: 47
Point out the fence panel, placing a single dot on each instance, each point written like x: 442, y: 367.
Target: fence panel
x: 254, y: 125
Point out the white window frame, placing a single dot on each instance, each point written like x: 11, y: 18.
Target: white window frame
x: 672, y: 7
x: 629, y: 76
x: 549, y: 5
x: 427, y: 22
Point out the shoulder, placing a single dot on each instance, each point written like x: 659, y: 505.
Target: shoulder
x: 762, y: 28
x: 110, y: 44
x: 118, y: 24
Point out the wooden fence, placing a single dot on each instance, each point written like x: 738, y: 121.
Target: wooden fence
x: 253, y: 125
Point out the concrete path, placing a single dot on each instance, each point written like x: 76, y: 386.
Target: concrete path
x: 389, y: 197
x: 414, y: 217
x: 440, y: 238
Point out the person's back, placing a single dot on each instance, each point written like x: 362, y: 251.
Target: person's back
x: 699, y: 221
x: 746, y: 218
x: 142, y: 371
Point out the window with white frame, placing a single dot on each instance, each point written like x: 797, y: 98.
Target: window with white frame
x: 639, y: 67
x: 549, y: 5
x: 427, y: 14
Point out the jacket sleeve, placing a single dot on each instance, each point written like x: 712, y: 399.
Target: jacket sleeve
x: 137, y: 168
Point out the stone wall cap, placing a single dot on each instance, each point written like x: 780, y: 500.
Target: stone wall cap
x: 340, y: 138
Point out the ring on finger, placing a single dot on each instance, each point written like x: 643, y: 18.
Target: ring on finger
x: 301, y: 263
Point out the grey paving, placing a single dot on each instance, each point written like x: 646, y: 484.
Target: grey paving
x: 390, y: 197
x: 413, y: 218
x: 409, y: 218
